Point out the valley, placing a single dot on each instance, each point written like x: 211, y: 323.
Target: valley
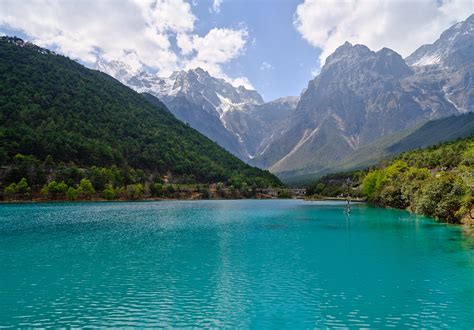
x: 215, y: 164
x: 359, y: 97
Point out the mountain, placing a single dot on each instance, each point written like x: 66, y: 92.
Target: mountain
x: 419, y: 136
x: 359, y: 97
x: 206, y: 103
x: 258, y: 125
x: 51, y: 105
x: 454, y: 48
x: 362, y: 95
x: 448, y: 65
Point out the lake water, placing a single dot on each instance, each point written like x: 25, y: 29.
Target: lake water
x: 280, y: 263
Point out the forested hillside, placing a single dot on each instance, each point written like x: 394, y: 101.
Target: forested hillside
x: 54, y: 108
x: 436, y: 181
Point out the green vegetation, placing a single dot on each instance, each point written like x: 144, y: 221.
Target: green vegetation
x: 18, y: 190
x: 61, y: 123
x: 29, y: 178
x: 437, y: 181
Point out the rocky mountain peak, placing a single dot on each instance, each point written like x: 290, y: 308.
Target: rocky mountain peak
x: 198, y: 74
x: 347, y: 51
x: 389, y: 62
x: 361, y: 95
x: 355, y: 62
x: 359, y: 58
x: 387, y: 52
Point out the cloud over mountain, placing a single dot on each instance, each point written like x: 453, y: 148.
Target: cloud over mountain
x: 326, y: 24
x: 156, y: 34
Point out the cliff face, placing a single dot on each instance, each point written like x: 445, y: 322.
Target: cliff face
x: 361, y: 95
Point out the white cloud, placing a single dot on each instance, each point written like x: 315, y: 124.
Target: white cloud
x: 266, y: 66
x: 242, y: 81
x: 219, y: 46
x: 400, y: 25
x: 216, y: 6
x: 185, y: 43
x: 138, y: 33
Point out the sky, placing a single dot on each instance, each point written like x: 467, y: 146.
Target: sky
x: 273, y: 46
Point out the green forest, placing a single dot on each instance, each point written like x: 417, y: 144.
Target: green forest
x: 55, y: 111
x: 436, y: 181
x: 30, y: 178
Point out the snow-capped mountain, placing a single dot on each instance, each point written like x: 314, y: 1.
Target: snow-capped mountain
x: 234, y: 117
x: 196, y: 98
x: 448, y: 65
x: 453, y: 48
x: 359, y: 96
x: 258, y: 125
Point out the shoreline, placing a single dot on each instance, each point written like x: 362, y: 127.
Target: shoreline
x: 325, y: 198
x: 150, y: 199
x: 468, y: 225
x: 465, y: 222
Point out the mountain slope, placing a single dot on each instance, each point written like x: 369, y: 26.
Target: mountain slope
x: 419, y: 136
x: 258, y: 125
x: 51, y: 105
x: 194, y: 97
x: 361, y: 95
x: 358, y: 97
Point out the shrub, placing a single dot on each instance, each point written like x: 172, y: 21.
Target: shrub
x: 157, y: 189
x: 54, y: 190
x: 109, y: 192
x: 135, y: 191
x: 10, y: 191
x: 85, y: 189
x: 71, y: 193
x: 19, y: 190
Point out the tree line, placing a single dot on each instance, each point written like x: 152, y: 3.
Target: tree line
x: 29, y: 178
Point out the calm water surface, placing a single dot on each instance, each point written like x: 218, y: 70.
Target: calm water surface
x: 231, y: 264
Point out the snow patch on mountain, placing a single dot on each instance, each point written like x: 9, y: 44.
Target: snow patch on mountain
x: 428, y: 60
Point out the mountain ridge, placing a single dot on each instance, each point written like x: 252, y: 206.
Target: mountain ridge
x: 359, y: 96
x: 54, y: 106
x: 226, y: 114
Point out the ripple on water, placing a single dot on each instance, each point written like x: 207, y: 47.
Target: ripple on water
x: 285, y: 264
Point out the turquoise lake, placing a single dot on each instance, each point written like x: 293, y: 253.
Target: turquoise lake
x: 248, y: 263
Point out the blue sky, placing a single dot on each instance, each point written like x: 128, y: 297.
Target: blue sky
x: 274, y: 46
x: 277, y: 61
